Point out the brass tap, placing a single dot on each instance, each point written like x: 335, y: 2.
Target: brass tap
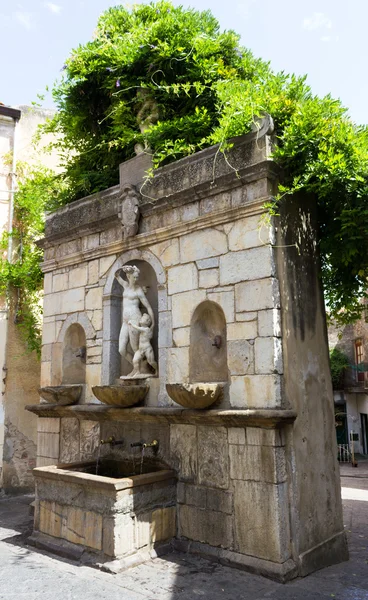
x: 154, y: 445
x: 109, y: 440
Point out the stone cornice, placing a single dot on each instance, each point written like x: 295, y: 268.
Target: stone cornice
x: 266, y: 418
x: 145, y: 240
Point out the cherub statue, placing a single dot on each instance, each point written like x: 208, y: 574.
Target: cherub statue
x: 145, y: 349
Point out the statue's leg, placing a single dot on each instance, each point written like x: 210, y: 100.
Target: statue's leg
x: 136, y: 363
x: 123, y: 343
x: 151, y: 359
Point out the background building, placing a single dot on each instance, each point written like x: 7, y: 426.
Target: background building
x: 20, y: 370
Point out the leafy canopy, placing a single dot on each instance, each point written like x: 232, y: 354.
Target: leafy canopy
x: 167, y: 78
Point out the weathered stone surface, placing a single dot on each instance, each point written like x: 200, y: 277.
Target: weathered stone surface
x: 208, y: 263
x: 78, y: 276
x: 215, y: 203
x: 202, y: 244
x: 182, y: 278
x: 184, y: 305
x: 240, y: 357
x: 261, y: 520
x: 60, y: 282
x: 48, y: 333
x: 245, y: 330
x: 244, y: 265
x: 69, y: 440
x: 257, y: 295
x: 93, y: 271
x: 48, y: 425
x: 72, y: 301
x: 47, y: 283
x: 269, y: 323
x: 226, y: 301
x: 246, y: 316
x: 265, y: 437
x: 165, y: 330
x: 257, y: 463
x: 89, y: 439
x: 207, y: 526
x: 178, y: 365
x: 181, y: 336
x: 48, y: 445
x: 167, y: 252
x: 247, y: 233
x: 255, y: 391
x: 236, y: 435
x: 195, y: 495
x: 94, y: 298
x: 183, y: 449
x: 208, y: 278
x: 268, y: 355
x: 213, y: 465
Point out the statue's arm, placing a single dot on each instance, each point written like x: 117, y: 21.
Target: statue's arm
x: 136, y: 326
x: 122, y: 281
x: 147, y: 305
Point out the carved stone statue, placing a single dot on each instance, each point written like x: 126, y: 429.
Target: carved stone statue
x: 130, y: 211
x: 137, y: 328
x: 148, y: 115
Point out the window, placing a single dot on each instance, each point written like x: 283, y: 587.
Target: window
x: 359, y: 360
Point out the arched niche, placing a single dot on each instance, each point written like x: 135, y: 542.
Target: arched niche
x: 208, y: 351
x: 74, y: 355
x: 152, y: 276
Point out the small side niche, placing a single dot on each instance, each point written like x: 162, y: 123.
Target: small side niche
x: 74, y: 355
x: 208, y: 351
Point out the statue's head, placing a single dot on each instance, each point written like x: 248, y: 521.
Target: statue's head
x: 132, y: 273
x: 145, y: 320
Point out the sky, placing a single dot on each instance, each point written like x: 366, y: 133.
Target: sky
x: 324, y: 39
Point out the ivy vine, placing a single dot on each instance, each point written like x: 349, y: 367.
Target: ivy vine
x: 21, y: 278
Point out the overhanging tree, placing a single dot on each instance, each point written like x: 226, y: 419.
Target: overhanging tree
x: 167, y: 78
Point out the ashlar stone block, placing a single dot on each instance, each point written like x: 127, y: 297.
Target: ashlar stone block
x: 94, y: 298
x: 78, y: 276
x: 245, y: 330
x: 93, y: 271
x: 261, y: 520
x: 245, y: 265
x: 167, y: 252
x: 60, y: 282
x: 178, y: 365
x: 183, y: 449
x: 208, y: 278
x: 202, y: 244
x: 206, y: 526
x: 255, y: 391
x: 257, y: 463
x: 226, y: 301
x: 248, y: 233
x: 257, y: 295
x: 269, y: 323
x: 240, y: 355
x: 184, y: 305
x: 181, y: 336
x: 182, y: 278
x: 268, y: 355
x: 213, y: 466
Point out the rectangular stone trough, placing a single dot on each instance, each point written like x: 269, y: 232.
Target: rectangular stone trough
x: 118, y: 521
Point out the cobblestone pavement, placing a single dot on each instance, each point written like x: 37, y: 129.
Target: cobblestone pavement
x: 27, y: 574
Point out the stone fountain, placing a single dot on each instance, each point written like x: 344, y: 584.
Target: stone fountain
x: 204, y: 330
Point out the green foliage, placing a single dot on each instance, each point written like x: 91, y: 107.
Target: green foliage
x: 168, y: 79
x: 338, y: 363
x: 21, y: 278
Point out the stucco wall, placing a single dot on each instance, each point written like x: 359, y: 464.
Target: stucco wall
x: 20, y: 369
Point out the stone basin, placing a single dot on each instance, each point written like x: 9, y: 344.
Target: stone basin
x: 120, y: 395
x: 61, y: 394
x: 195, y: 395
x: 109, y: 520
